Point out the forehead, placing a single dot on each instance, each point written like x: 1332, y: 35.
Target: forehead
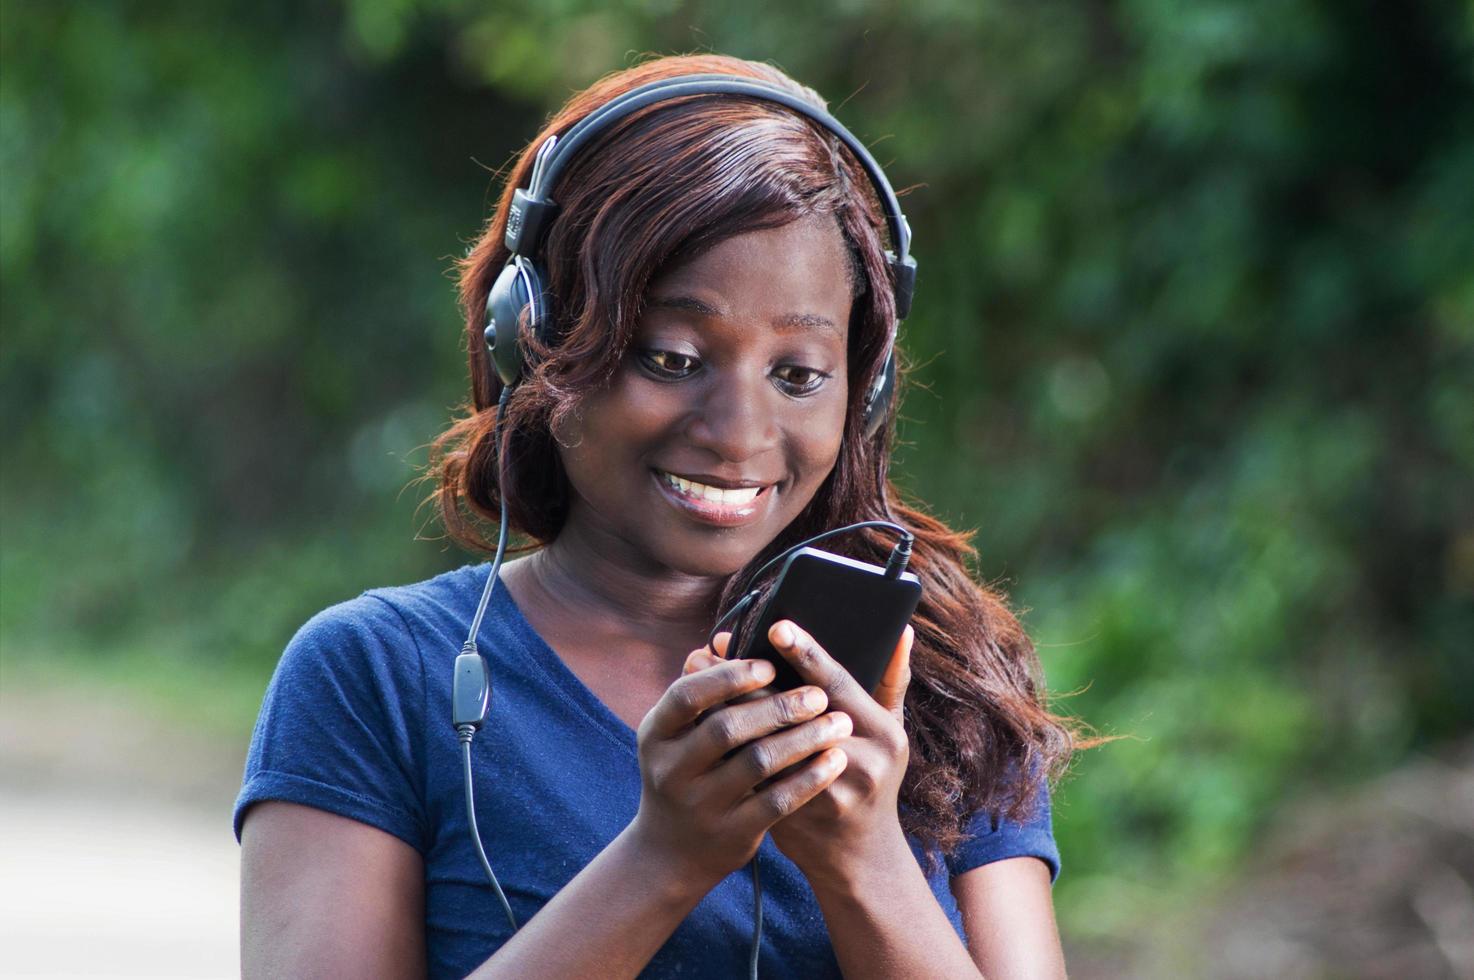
x: 796, y: 275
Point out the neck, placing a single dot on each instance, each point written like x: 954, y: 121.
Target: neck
x: 615, y: 587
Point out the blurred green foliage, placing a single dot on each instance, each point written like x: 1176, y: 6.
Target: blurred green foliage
x: 1193, y: 347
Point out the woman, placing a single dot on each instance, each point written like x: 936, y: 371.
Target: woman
x: 723, y: 310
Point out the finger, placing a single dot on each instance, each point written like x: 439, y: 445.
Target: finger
x: 783, y: 796
x: 713, y: 653
x: 771, y: 756
x: 815, y: 665
x: 890, y: 694
x: 690, y: 695
x: 699, y: 660
x: 729, y: 728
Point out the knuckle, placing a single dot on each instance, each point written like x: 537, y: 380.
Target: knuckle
x: 789, y: 708
x: 779, y: 802
x: 740, y: 674
x: 658, y: 773
x: 683, y: 695
x: 866, y: 782
x: 761, y: 760
x: 808, y: 652
x: 823, y: 732
x: 726, y: 731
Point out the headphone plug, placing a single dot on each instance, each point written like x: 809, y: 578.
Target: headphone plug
x: 900, y: 557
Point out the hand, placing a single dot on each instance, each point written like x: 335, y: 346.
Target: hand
x: 713, y: 774
x: 856, y: 815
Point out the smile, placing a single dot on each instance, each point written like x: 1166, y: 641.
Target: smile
x: 722, y: 506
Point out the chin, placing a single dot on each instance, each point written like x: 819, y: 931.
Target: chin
x: 708, y: 552
x: 709, y: 562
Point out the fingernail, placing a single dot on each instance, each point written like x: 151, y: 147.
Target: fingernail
x: 762, y: 670
x: 783, y: 634
x: 814, y: 699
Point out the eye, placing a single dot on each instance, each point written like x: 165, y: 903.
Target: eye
x: 797, y: 380
x: 669, y: 365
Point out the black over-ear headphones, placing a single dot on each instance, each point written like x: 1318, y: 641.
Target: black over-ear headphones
x: 519, y: 295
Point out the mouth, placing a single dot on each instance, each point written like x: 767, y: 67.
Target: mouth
x: 731, y: 505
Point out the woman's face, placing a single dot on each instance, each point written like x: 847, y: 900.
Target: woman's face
x: 727, y: 412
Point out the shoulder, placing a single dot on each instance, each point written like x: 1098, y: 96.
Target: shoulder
x: 381, y: 620
x: 365, y: 620
x: 341, y: 726
x: 363, y: 656
x: 363, y: 639
x: 451, y: 593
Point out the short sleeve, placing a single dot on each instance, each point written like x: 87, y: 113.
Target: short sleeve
x: 339, y: 726
x: 994, y: 840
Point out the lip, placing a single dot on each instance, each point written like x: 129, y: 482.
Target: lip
x: 722, y: 482
x: 707, y: 512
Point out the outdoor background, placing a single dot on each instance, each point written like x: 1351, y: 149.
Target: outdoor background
x: 1193, y: 348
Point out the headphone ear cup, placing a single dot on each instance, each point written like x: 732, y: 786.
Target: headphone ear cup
x: 878, y: 401
x: 540, y: 316
x: 517, y: 293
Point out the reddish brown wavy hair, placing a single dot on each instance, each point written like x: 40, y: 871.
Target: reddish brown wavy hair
x: 660, y: 187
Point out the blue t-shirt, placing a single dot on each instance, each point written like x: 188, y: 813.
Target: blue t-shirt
x: 356, y: 721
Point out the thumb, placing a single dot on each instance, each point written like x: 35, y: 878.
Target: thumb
x: 891, y: 692
x: 704, y: 657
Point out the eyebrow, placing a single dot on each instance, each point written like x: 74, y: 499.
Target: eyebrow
x: 690, y: 304
x: 687, y: 304
x: 807, y: 321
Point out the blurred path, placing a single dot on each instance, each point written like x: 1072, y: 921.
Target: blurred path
x: 116, y: 854
x: 1374, y: 882
x: 98, y: 889
x: 117, y: 860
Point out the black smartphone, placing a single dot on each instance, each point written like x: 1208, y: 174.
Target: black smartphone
x: 849, y: 607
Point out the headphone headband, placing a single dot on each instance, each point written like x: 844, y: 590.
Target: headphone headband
x: 519, y: 289
x: 533, y: 210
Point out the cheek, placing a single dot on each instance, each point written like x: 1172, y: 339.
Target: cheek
x: 610, y: 425
x: 817, y: 441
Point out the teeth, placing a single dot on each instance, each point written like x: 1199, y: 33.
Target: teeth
x: 715, y: 495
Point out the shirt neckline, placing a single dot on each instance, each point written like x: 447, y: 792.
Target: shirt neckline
x: 564, y: 679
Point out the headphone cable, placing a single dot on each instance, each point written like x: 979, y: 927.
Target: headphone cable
x: 501, y: 536
x: 896, y: 564
x: 472, y: 686
x: 471, y: 690
x: 757, y: 918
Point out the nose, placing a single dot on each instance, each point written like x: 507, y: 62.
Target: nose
x: 735, y: 420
